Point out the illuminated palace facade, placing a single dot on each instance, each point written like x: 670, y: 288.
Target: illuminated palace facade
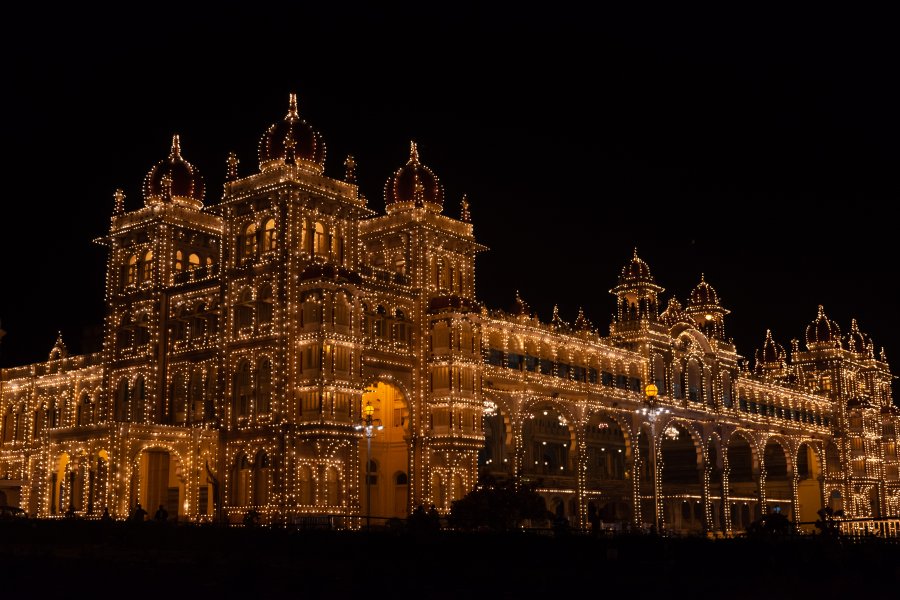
x: 243, y: 341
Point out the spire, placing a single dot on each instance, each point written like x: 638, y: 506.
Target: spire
x: 413, y: 153
x: 292, y: 107
x: 118, y: 202
x: 635, y: 256
x: 556, y: 320
x: 883, y: 355
x: 821, y: 311
x: 464, y: 214
x: 176, y: 147
x: 854, y: 326
x: 702, y: 277
x: 290, y: 147
x: 231, y: 167
x: 350, y: 169
x: 59, y: 349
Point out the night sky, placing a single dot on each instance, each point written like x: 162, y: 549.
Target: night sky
x: 757, y: 148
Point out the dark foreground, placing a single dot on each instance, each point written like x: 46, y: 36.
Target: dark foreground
x: 92, y: 559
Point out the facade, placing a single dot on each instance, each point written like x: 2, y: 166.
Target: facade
x: 243, y: 341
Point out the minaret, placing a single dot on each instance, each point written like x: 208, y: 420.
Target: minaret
x: 636, y: 295
x: 705, y: 311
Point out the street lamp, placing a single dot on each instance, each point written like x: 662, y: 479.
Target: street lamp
x: 369, y: 426
x: 652, y: 412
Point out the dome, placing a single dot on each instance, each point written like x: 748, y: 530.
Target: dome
x: 635, y: 270
x: 772, y: 352
x: 703, y: 294
x: 413, y: 185
x: 292, y: 141
x: 174, y: 180
x: 823, y: 332
x: 856, y: 340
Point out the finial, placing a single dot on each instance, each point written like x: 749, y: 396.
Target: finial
x: 768, y: 334
x: 290, y: 147
x: 350, y: 169
x: 635, y: 254
x: 821, y: 311
x: 118, y: 202
x: 413, y: 152
x: 176, y: 147
x: 292, y: 107
x: 702, y: 277
x: 464, y: 214
x: 231, y: 167
x: 883, y: 355
x: 854, y: 326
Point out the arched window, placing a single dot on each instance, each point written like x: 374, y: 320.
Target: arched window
x: 726, y: 389
x: 131, y: 273
x: 693, y: 382
x: 321, y: 240
x: 121, y: 410
x: 138, y: 399
x: 83, y: 410
x: 147, y: 266
x: 261, y: 479
x: 401, y: 327
x: 337, y: 245
x: 659, y: 373
x: 269, y: 240
x: 401, y: 479
x: 193, y: 262
x: 341, y: 311
x: 264, y: 304
x: 332, y: 486
x: 248, y: 241
x: 243, y: 311
x: 306, y: 492
x: 242, y: 481
x: 264, y: 387
x: 179, y: 398
x: 142, y: 332
x: 195, y: 394
x: 179, y: 261
x: 9, y: 425
x: 242, y: 390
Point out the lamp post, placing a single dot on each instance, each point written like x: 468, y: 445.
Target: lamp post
x: 369, y: 426
x: 652, y: 412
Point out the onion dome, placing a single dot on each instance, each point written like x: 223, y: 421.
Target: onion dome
x: 823, y: 332
x: 703, y: 294
x: 635, y: 270
x: 673, y: 313
x: 772, y: 353
x: 292, y: 141
x: 855, y: 340
x: 174, y: 180
x: 581, y: 322
x: 413, y: 185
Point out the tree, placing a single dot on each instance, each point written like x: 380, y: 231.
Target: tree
x: 498, y: 505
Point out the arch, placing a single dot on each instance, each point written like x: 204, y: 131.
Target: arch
x: 157, y: 479
x: 779, y: 471
x: 548, y: 439
x: 120, y: 412
x: 306, y: 485
x: 261, y: 480
x: 270, y: 241
x: 249, y: 245
x: 332, y: 486
x: 694, y: 381
x: 138, y: 400
x: 243, y: 392
x: 606, y: 455
x: 680, y: 473
x: 390, y: 449
x: 832, y: 460
x: 131, y: 271
x: 193, y: 261
x: 497, y: 454
x: 727, y: 390
x: 264, y: 387
x: 241, y: 476
x: 320, y: 239
x: 265, y: 302
x: 147, y: 266
x: 808, y: 475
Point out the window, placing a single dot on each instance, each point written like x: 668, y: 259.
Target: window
x: 269, y: 240
x: 132, y: 271
x: 147, y: 267
x: 264, y: 387
x: 243, y: 311
x: 264, y: 302
x: 320, y: 239
x: 248, y: 243
x: 242, y: 390
x: 193, y: 262
x: 179, y: 261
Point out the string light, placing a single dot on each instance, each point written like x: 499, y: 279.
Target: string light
x: 242, y: 341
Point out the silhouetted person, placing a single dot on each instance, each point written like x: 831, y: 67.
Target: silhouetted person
x: 106, y: 517
x: 162, y: 515
x: 251, y: 518
x: 434, y: 519
x: 139, y: 514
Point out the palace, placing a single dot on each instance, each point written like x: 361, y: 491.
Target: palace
x: 248, y: 345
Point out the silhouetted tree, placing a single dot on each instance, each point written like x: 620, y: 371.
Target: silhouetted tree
x: 497, y: 505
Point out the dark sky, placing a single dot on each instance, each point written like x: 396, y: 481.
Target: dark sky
x: 759, y: 148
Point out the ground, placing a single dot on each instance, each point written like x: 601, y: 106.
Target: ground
x: 152, y: 560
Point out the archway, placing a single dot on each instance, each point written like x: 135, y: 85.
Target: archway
x: 681, y: 481
x: 389, y: 459
x: 714, y: 470
x: 158, y: 479
x: 778, y: 482
x: 809, y: 494
x: 606, y: 486
x: 548, y: 445
x: 742, y: 485
x: 495, y: 457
